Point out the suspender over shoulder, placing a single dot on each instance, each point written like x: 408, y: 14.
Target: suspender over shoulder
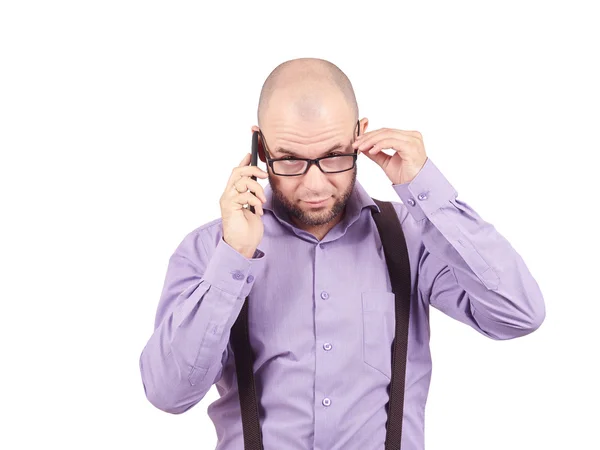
x: 396, y: 256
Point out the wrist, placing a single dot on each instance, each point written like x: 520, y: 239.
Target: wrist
x: 247, y: 252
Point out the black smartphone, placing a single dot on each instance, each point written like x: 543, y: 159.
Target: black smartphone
x: 254, y: 158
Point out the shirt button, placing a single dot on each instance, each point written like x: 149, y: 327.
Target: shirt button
x: 250, y: 279
x: 322, y: 245
x: 324, y: 295
x: 411, y: 202
x: 423, y: 196
x: 327, y: 346
x: 326, y: 402
x: 237, y: 275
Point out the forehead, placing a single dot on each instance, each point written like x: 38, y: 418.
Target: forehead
x: 299, y: 143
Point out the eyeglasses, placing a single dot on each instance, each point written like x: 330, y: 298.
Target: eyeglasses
x: 293, y: 167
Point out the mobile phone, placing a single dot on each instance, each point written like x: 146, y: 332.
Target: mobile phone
x: 254, y: 158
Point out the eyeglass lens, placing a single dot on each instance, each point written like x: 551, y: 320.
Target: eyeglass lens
x: 333, y: 164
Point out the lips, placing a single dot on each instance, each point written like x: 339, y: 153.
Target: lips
x: 318, y: 203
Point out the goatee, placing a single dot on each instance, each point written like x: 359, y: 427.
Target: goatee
x: 315, y: 218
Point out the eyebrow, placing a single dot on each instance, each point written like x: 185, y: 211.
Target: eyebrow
x: 283, y: 151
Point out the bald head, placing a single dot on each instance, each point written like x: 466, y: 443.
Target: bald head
x: 306, y: 86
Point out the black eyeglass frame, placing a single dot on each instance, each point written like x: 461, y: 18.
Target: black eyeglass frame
x: 310, y: 161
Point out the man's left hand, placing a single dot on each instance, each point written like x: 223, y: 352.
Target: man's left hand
x: 408, y: 159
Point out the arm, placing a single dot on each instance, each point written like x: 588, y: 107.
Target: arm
x: 467, y: 269
x: 200, y: 301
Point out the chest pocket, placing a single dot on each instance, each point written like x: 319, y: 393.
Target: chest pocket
x: 379, y: 322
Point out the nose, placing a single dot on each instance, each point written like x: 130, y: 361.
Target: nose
x: 314, y: 179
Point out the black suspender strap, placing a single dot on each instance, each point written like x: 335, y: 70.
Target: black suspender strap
x: 244, y: 359
x: 396, y: 256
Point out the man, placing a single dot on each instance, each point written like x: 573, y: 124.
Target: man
x: 321, y: 309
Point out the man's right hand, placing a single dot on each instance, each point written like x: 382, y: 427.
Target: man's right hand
x: 242, y: 229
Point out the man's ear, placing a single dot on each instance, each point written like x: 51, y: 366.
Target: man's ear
x: 363, y: 124
x: 261, y: 151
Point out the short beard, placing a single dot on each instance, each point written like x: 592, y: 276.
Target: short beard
x: 315, y: 219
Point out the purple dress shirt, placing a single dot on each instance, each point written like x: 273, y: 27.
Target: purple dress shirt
x: 321, y: 317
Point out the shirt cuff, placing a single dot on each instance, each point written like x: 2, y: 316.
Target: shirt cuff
x: 231, y: 271
x: 427, y: 192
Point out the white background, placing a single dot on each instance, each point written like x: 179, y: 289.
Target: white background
x: 120, y: 122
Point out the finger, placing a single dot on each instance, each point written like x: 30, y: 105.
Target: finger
x: 362, y: 142
x: 245, y: 171
x: 234, y: 172
x: 392, y: 143
x: 246, y: 183
x: 258, y: 210
x: 258, y: 205
x: 247, y: 198
x: 248, y: 171
x: 380, y: 158
x: 381, y: 137
x: 370, y: 133
x: 414, y: 134
x: 245, y: 161
x: 367, y: 135
x: 401, y: 134
x: 249, y: 215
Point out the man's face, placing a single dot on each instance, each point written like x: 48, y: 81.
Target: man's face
x: 311, y: 139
